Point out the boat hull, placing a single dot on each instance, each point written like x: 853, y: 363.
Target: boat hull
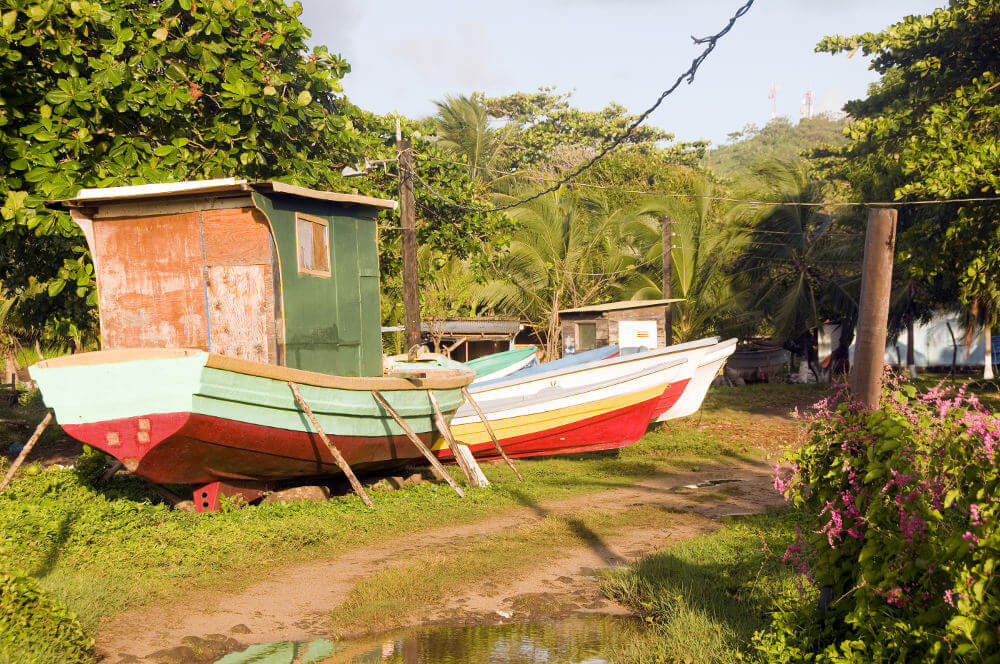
x: 697, y: 388
x: 613, y: 414
x: 608, y: 430
x: 192, y: 448
x: 187, y: 417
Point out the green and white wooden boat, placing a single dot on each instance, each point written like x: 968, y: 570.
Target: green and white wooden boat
x: 215, y: 297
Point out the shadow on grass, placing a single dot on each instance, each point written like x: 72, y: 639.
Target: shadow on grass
x: 62, y: 535
x: 582, y: 532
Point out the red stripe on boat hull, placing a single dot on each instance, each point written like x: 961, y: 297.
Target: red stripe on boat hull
x: 190, y: 448
x: 670, y: 396
x: 614, y: 429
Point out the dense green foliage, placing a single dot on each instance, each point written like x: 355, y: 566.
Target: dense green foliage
x: 902, y: 523
x: 778, y: 141
x: 928, y: 129
x: 111, y: 93
x: 35, y: 627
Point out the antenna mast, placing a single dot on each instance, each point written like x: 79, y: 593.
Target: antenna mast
x: 807, y: 104
x: 773, y: 96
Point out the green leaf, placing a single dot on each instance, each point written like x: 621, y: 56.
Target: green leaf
x: 304, y: 98
x: 56, y: 286
x: 160, y: 34
x: 270, y: 91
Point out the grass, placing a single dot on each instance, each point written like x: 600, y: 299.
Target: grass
x: 705, y: 598
x: 387, y: 598
x: 111, y: 548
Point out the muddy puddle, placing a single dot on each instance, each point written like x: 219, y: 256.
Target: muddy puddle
x: 577, y: 639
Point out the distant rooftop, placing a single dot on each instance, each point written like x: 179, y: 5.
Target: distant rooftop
x: 617, y: 306
x: 218, y: 186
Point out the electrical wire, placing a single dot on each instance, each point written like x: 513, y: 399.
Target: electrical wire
x: 689, y: 75
x: 538, y: 178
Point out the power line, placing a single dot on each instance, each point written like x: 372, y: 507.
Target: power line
x: 689, y: 74
x: 730, y: 199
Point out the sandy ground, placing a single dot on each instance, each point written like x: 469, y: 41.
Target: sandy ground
x: 294, y: 603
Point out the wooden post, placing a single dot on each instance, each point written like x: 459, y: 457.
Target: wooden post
x: 873, y: 311
x: 337, y: 456
x: 489, y: 430
x: 407, y: 215
x: 467, y: 462
x: 27, y: 448
x: 668, y: 274
x: 419, y: 444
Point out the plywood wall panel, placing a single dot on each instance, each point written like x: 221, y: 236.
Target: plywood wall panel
x: 239, y: 305
x: 236, y: 237
x: 150, y: 285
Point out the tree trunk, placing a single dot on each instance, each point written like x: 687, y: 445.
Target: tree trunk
x: 954, y: 347
x: 9, y: 366
x: 911, y: 364
x: 988, y: 347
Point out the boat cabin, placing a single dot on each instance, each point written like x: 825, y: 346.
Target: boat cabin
x: 629, y: 324
x: 261, y: 271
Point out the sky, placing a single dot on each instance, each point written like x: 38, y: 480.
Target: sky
x: 405, y: 55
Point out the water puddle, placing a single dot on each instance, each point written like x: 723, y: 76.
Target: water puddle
x: 579, y: 639
x: 709, y: 483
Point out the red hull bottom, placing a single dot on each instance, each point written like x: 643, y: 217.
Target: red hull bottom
x: 189, y: 448
x: 614, y: 429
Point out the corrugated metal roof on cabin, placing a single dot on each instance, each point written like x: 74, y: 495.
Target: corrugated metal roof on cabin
x: 474, y: 326
x: 617, y: 306
x: 217, y: 186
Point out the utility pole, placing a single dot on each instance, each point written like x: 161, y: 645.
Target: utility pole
x: 668, y: 268
x: 407, y: 215
x: 873, y: 312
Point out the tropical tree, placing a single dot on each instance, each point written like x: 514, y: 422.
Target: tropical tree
x: 931, y: 124
x: 118, y: 92
x: 464, y: 131
x: 799, y: 266
x: 702, y: 247
x: 563, y: 253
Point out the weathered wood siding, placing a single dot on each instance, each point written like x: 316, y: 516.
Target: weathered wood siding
x: 149, y: 280
x: 155, y: 275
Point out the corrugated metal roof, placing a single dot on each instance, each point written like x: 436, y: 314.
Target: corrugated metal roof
x: 616, y: 306
x: 472, y: 326
x: 220, y: 185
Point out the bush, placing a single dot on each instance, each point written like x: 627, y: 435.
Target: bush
x: 34, y: 627
x: 901, y: 510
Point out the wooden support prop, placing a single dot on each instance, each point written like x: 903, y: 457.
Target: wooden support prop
x: 337, y: 456
x: 473, y: 473
x: 419, y: 444
x: 27, y: 448
x: 489, y: 430
x: 115, y: 466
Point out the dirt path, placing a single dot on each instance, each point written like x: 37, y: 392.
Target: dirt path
x: 293, y: 604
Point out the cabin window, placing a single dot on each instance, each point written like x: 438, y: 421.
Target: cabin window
x: 586, y: 336
x: 313, y: 241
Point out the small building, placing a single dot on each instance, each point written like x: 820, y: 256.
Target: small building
x: 630, y: 324
x: 261, y: 271
x: 465, y: 339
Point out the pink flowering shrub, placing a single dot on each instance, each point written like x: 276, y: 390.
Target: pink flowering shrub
x: 903, y: 511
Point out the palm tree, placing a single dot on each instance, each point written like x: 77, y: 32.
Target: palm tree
x: 464, y: 131
x: 702, y: 246
x: 562, y: 254
x: 797, y: 267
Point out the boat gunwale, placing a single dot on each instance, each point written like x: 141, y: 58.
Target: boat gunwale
x: 437, y: 379
x: 507, y: 381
